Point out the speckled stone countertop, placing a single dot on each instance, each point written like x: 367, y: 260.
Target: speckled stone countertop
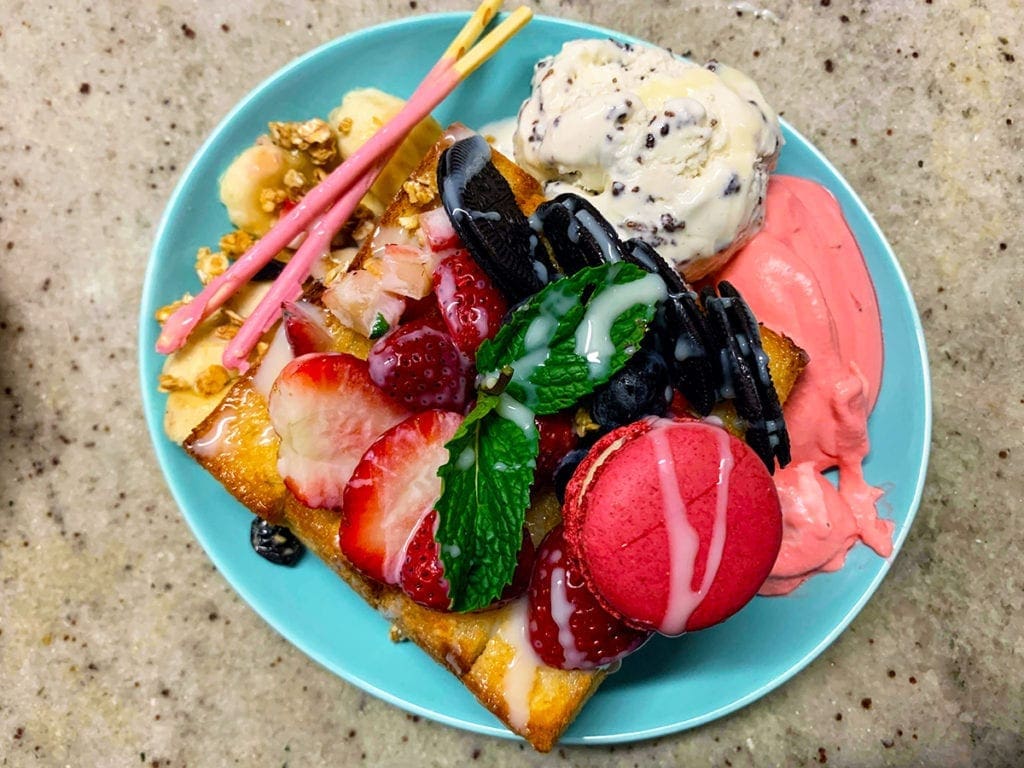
x: 120, y: 644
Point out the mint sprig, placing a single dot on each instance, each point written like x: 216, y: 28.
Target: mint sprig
x: 486, y: 492
x: 558, y: 347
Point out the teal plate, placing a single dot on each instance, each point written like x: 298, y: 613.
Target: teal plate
x: 669, y: 685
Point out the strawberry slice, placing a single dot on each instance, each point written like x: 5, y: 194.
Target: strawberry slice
x: 470, y: 304
x: 394, y: 486
x: 438, y: 230
x: 418, y: 364
x: 568, y: 627
x: 422, y: 577
x: 327, y: 411
x: 305, y: 325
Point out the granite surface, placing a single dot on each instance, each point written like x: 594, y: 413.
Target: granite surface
x: 120, y: 644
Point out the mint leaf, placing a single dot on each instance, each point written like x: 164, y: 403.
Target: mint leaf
x: 565, y: 341
x: 573, y: 335
x: 380, y: 326
x: 485, y: 493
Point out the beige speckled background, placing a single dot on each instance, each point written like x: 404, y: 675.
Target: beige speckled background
x: 121, y: 645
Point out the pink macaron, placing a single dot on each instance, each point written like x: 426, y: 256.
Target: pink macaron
x: 675, y: 523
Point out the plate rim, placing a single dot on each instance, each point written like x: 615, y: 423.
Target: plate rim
x: 163, y: 447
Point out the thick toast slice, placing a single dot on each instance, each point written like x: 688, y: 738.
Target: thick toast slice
x: 487, y: 650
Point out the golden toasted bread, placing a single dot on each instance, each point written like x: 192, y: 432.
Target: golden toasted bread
x: 786, y: 361
x: 485, y: 650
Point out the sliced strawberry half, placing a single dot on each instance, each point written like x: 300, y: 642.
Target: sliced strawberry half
x: 305, y: 325
x: 438, y: 230
x: 470, y: 304
x: 568, y: 628
x: 394, y: 486
x: 422, y: 577
x: 327, y: 412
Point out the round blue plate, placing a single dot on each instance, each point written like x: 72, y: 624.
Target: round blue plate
x: 669, y: 685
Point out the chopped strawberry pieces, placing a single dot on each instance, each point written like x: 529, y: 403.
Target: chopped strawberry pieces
x: 407, y: 271
x: 359, y: 301
x: 327, y: 412
x: 568, y: 628
x: 418, y: 364
x: 305, y: 325
x: 438, y: 230
x: 470, y: 304
x: 394, y: 486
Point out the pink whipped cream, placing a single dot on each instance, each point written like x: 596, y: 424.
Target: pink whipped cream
x: 807, y: 258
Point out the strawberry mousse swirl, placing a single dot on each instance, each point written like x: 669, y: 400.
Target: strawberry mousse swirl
x: 804, y: 275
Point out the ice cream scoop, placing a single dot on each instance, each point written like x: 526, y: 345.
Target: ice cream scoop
x: 672, y: 152
x: 675, y: 524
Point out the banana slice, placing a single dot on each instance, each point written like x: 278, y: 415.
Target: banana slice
x: 252, y: 181
x: 359, y: 116
x: 186, y: 406
x: 194, y: 375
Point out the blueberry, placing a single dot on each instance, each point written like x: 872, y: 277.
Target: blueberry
x: 275, y: 543
x: 642, y: 388
x: 564, y: 469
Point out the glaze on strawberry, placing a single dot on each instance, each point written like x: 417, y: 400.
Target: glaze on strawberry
x: 568, y: 627
x: 419, y: 364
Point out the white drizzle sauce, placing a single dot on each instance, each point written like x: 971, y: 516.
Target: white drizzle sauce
x: 683, y: 540
x: 466, y: 459
x: 215, y: 440
x: 517, y: 413
x: 521, y: 671
x: 561, y: 611
x: 593, y: 336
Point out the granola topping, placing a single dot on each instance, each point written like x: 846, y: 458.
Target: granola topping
x: 212, y: 380
x: 313, y: 137
x: 236, y: 243
x: 271, y: 199
x: 168, y: 383
x: 209, y: 264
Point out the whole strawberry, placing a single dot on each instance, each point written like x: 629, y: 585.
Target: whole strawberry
x: 568, y: 628
x: 418, y: 364
x: 470, y: 304
x: 556, y: 438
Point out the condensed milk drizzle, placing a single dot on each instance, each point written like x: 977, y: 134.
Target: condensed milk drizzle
x: 683, y: 540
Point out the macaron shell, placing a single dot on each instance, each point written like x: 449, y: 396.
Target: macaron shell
x: 616, y: 524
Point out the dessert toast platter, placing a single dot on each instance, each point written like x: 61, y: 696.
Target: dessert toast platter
x: 647, y: 672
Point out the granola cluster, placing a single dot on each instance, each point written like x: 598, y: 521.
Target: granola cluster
x: 313, y: 138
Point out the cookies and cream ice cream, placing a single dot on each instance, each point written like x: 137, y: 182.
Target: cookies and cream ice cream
x: 672, y: 152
